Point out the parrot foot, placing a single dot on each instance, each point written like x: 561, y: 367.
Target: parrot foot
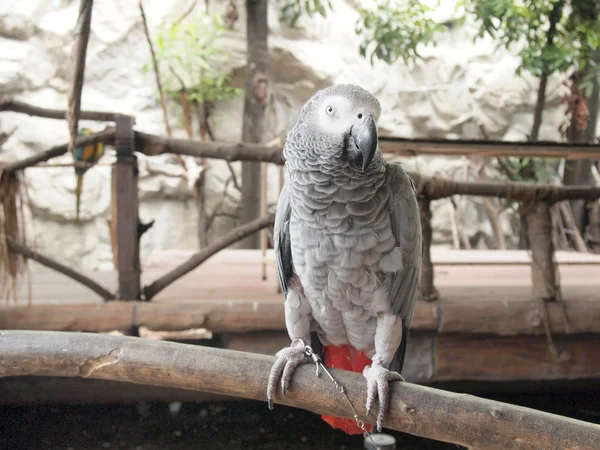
x: 378, y: 378
x: 288, y: 359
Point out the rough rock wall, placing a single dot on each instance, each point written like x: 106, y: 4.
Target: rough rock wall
x: 457, y: 86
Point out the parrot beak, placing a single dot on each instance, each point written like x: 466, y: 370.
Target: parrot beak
x: 364, y: 133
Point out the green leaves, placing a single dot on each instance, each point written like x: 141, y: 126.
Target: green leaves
x: 395, y: 29
x: 293, y: 9
x: 550, y: 35
x: 192, y: 56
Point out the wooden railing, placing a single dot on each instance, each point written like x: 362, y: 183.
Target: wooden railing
x: 536, y: 199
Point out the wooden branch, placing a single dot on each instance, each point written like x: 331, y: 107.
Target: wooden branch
x: 107, y: 136
x: 435, y: 187
x: 217, y: 317
x: 8, y: 104
x: 569, y: 221
x: 504, y: 315
x: 230, y: 238
x: 392, y: 145
x: 156, y: 145
x: 55, y: 265
x: 163, y: 102
x: 486, y: 148
x: 432, y: 413
x: 82, y: 35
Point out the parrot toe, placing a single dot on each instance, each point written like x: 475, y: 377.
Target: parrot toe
x: 287, y: 360
x: 378, y: 378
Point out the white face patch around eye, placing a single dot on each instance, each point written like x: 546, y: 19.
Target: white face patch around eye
x: 335, y: 115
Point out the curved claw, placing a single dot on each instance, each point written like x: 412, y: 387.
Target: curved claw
x: 378, y: 378
x: 287, y: 360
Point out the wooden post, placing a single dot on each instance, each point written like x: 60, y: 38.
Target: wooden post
x: 544, y: 270
x: 124, y: 209
x: 255, y: 105
x: 594, y: 226
x: 428, y: 292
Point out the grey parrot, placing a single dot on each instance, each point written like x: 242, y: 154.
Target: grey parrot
x: 348, y: 246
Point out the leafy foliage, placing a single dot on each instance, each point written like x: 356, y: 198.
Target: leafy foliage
x: 293, y: 9
x: 396, y: 29
x: 191, y: 57
x: 544, y: 48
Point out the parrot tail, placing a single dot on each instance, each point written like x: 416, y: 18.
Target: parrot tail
x: 345, y: 357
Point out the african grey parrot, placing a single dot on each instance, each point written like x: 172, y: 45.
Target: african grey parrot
x: 348, y: 245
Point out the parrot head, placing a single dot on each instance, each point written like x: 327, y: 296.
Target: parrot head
x: 340, y: 122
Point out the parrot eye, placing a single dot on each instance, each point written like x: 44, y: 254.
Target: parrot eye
x: 329, y: 110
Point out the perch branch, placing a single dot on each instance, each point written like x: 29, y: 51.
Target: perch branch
x: 107, y: 136
x: 8, y: 104
x: 232, y: 237
x: 55, y: 265
x: 163, y: 102
x: 82, y: 35
x: 419, y: 410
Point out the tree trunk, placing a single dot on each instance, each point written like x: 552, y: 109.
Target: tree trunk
x: 527, y: 171
x: 554, y: 18
x: 257, y: 88
x: 580, y: 172
x: 538, y: 113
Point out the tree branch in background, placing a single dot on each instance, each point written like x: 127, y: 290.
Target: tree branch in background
x: 462, y: 419
x: 82, y: 35
x: 55, y: 265
x: 571, y: 227
x: 156, y: 145
x: 107, y: 136
x: 8, y: 104
x: 232, y: 237
x: 163, y: 102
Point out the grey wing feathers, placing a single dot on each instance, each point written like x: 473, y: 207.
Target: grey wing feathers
x: 406, y: 227
x: 281, y: 240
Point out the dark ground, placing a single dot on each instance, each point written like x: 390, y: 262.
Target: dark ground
x: 227, y: 425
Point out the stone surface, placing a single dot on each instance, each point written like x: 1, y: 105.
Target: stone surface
x: 456, y: 87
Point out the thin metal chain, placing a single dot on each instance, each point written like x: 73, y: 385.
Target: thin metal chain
x: 318, y: 362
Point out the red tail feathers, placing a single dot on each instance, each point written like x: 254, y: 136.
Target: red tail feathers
x: 345, y: 358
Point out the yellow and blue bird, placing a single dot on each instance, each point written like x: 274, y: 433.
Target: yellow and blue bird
x: 89, y: 154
